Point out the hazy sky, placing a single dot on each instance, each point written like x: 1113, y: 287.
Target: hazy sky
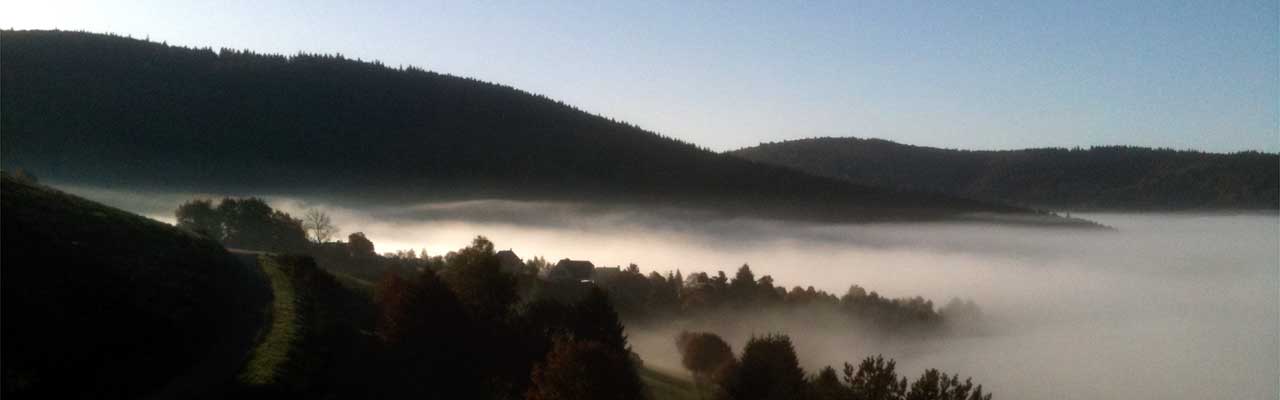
x: 999, y: 74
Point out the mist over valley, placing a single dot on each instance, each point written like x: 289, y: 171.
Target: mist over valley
x: 1181, y: 304
x: 639, y: 200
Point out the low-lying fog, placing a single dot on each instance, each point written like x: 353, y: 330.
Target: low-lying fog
x: 1167, y: 306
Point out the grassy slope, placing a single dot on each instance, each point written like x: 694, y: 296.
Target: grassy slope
x: 99, y: 302
x: 315, y: 341
x: 265, y: 366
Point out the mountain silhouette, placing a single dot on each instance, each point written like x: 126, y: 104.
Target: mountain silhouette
x: 121, y: 112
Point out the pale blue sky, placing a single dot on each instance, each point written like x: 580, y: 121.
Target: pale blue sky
x: 977, y: 75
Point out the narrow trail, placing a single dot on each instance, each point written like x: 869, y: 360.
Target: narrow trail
x: 210, y: 378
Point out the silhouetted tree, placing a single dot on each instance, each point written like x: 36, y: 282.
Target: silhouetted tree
x: 765, y: 290
x: 662, y: 296
x: 585, y: 370
x: 425, y: 335
x: 318, y: 226
x: 742, y: 287
x: 488, y: 295
x: 769, y: 370
x: 594, y: 319
x: 934, y: 385
x: 475, y: 274
x: 247, y: 223
x: 199, y: 216
x: 826, y: 386
x: 706, y: 356
x: 720, y: 282
x: 359, y: 245
x: 875, y: 379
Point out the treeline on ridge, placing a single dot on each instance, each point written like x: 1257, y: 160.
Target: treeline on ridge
x: 1096, y: 178
x: 110, y: 110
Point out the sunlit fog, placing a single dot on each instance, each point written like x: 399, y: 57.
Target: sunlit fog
x: 1163, y: 306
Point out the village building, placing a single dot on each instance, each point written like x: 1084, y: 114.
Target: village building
x: 509, y: 262
x: 569, y: 270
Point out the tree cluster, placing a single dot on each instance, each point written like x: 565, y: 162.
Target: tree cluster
x: 245, y: 223
x: 640, y: 297
x: 463, y: 330
x: 770, y: 370
x: 251, y: 224
x: 706, y: 356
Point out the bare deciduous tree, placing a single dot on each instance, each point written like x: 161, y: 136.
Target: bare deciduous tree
x: 318, y: 225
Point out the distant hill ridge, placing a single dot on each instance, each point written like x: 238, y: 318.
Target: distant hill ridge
x: 1097, y: 178
x: 109, y: 110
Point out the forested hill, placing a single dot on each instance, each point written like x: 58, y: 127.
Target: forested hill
x: 1098, y: 178
x: 109, y: 110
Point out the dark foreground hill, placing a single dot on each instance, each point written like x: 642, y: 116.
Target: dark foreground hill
x: 1098, y: 178
x: 100, y: 303
x: 109, y: 110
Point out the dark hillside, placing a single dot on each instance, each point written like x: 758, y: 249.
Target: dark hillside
x: 109, y: 110
x: 1114, y: 178
x: 101, y: 303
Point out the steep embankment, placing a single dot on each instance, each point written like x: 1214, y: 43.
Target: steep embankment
x: 101, y: 303
x: 1098, y: 178
x: 102, y: 109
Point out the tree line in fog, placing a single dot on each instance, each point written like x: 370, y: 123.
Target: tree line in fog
x: 477, y: 322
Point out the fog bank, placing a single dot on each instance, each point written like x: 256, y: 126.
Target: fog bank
x: 1167, y: 306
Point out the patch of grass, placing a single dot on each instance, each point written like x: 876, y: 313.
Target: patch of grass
x: 663, y: 386
x: 268, y: 360
x: 313, y: 343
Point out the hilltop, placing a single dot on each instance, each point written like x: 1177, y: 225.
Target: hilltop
x: 108, y: 110
x: 1097, y: 178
